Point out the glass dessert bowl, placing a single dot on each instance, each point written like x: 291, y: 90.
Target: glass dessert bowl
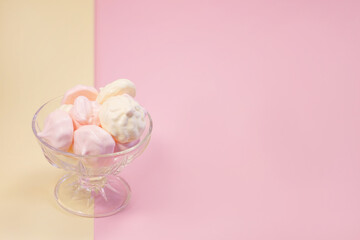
x: 91, y: 187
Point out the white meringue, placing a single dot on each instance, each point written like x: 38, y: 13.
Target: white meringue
x: 66, y: 107
x: 123, y: 118
x: 115, y: 88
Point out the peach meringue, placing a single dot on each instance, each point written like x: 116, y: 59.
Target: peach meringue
x: 79, y: 90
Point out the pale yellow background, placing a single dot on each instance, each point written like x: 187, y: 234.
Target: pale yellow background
x: 46, y: 47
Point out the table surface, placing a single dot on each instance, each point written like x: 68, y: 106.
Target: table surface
x: 256, y: 111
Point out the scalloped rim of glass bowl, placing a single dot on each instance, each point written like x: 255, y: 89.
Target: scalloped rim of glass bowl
x: 88, y: 156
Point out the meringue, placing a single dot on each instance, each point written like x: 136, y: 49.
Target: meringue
x: 123, y: 146
x: 92, y: 140
x: 85, y: 112
x: 79, y: 90
x: 118, y: 87
x: 66, y: 107
x: 58, y: 130
x: 123, y: 118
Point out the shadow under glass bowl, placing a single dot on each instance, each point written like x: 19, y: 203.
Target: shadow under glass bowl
x: 91, y: 187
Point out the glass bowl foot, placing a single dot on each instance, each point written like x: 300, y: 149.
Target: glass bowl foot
x: 92, y: 196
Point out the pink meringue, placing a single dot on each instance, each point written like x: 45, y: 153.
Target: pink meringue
x: 85, y: 112
x: 79, y: 90
x: 123, y: 146
x: 58, y: 130
x: 92, y: 140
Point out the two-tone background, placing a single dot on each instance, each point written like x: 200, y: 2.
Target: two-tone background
x: 256, y: 111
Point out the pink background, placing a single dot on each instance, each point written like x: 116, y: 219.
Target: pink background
x: 256, y: 111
